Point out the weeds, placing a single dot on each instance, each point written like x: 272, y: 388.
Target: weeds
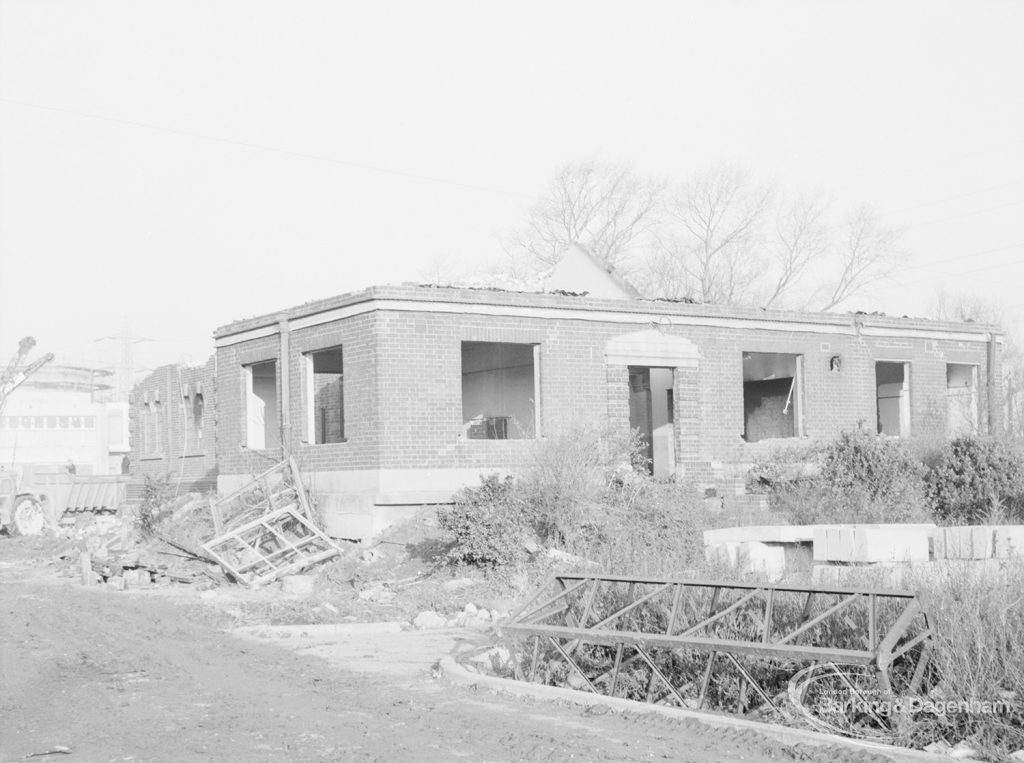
x: 156, y: 494
x: 582, y: 495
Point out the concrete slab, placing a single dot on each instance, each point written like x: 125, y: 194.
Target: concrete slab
x: 761, y: 534
x: 982, y: 542
x: 893, y: 543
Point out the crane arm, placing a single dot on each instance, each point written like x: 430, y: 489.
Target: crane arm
x: 12, y: 379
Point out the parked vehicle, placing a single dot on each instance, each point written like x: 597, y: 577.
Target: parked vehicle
x: 33, y: 498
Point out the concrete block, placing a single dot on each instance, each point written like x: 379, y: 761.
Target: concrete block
x: 840, y: 544
x: 958, y: 542
x: 819, y: 548
x: 769, y: 559
x: 889, y: 543
x: 938, y: 549
x: 982, y: 542
x: 1009, y: 541
x: 761, y: 534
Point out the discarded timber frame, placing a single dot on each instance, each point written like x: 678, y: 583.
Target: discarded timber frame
x: 266, y: 529
x: 659, y: 630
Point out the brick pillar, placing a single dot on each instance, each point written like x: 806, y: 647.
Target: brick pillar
x: 686, y: 394
x: 618, y: 398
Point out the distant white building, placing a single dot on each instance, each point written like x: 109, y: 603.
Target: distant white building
x: 54, y: 419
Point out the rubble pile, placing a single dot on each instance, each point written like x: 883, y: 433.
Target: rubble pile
x: 114, y: 550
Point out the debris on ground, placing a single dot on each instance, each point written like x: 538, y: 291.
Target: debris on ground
x: 120, y: 555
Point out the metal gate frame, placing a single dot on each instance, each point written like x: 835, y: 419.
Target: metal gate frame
x: 562, y: 614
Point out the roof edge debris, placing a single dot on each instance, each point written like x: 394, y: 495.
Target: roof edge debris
x: 470, y: 295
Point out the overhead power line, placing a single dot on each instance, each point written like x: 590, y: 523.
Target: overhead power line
x: 264, y: 147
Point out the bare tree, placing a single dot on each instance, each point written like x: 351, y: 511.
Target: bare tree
x: 721, y: 237
x: 709, y: 250
x: 801, y: 239
x: 867, y: 252
x: 605, y: 208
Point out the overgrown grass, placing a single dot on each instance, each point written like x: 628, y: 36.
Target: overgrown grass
x: 586, y: 494
x: 977, y: 613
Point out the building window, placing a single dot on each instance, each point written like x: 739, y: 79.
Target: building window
x: 962, y: 413
x: 151, y: 425
x: 892, y: 394
x: 772, y: 395
x: 196, y: 423
x: 261, y: 415
x: 325, y: 396
x: 499, y: 390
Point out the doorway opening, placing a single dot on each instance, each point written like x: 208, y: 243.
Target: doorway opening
x: 652, y: 413
x: 892, y: 385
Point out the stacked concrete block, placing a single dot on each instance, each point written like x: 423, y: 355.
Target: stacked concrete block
x: 979, y: 542
x: 762, y: 534
x: 965, y: 543
x: 847, y: 544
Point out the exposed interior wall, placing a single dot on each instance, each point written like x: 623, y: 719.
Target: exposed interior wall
x: 962, y: 399
x: 498, y: 383
x: 771, y: 395
x: 327, y: 415
x: 640, y: 408
x: 650, y: 412
x: 892, y: 386
x: 262, y: 418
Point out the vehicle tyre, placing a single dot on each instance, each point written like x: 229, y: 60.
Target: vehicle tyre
x: 27, y: 517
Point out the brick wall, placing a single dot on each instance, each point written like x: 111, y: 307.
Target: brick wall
x: 174, y: 428
x: 403, y: 405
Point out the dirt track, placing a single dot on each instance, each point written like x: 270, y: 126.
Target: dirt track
x: 118, y: 676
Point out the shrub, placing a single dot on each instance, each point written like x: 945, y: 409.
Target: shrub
x: 858, y: 477
x: 488, y: 523
x: 974, y: 478
x: 583, y: 495
x: 156, y: 493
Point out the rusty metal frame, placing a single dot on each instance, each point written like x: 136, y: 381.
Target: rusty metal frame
x: 564, y: 614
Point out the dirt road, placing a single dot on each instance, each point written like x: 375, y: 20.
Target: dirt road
x: 121, y: 677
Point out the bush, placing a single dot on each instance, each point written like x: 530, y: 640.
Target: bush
x: 488, y: 523
x: 974, y: 479
x: 156, y: 493
x: 858, y: 477
x: 581, y: 494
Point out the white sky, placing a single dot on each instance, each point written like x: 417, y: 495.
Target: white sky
x: 348, y: 144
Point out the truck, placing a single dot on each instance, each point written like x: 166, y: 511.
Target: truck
x: 33, y: 497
